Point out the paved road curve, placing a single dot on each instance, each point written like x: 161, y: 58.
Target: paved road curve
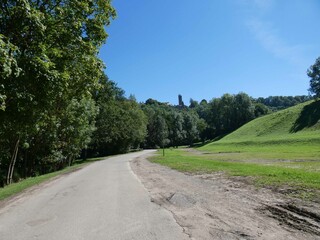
x: 102, y: 201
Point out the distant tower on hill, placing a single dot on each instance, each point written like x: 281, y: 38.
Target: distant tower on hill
x: 181, y: 104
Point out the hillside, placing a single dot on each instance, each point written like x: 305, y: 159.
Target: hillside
x: 293, y: 132
x: 294, y: 122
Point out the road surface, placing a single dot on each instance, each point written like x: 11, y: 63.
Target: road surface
x: 102, y: 201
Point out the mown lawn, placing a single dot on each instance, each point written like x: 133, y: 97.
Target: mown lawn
x: 277, y: 149
x: 290, y: 134
x: 298, y: 176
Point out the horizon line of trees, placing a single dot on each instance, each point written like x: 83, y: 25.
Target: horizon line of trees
x: 172, y: 126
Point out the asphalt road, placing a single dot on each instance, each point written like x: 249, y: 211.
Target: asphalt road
x: 102, y: 201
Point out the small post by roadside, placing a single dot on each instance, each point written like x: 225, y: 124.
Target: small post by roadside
x: 165, y: 143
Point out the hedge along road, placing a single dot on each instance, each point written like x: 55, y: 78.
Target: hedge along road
x: 104, y: 200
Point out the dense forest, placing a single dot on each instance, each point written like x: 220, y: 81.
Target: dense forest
x: 174, y: 125
x: 57, y: 104
x: 50, y: 72
x: 282, y: 102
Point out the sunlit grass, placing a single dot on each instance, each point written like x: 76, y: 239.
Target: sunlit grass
x: 305, y: 177
x: 289, y: 134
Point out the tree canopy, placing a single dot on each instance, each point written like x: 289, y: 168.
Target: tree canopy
x: 314, y: 74
x: 49, y: 69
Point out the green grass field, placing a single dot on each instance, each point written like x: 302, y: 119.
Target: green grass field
x: 266, y: 173
x: 18, y: 187
x: 280, y: 150
x: 290, y: 134
x: 301, y: 179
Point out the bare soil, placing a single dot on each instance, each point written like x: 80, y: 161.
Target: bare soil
x: 214, y: 206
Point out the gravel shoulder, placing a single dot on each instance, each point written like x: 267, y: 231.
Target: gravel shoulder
x: 212, y: 206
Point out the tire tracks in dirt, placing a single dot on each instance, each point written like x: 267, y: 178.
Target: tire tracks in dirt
x: 212, y: 206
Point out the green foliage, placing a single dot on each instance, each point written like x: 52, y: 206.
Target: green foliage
x: 79, y: 122
x: 191, y: 127
x: 201, y: 121
x: 8, y: 66
x: 49, y: 67
x: 177, y: 132
x: 193, y: 103
x: 120, y: 124
x: 169, y: 125
x: 276, y: 103
x: 314, y: 73
x: 260, y: 110
x: 230, y: 112
x: 207, y: 131
x: 158, y: 131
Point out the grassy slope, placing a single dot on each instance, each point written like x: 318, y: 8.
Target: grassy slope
x: 293, y: 133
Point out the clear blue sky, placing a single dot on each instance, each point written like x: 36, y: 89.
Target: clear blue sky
x: 203, y: 49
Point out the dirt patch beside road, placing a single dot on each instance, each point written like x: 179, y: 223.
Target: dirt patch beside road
x: 212, y: 206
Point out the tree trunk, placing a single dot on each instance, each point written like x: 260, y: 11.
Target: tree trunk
x: 13, y: 162
x: 25, y: 170
x: 85, y: 154
x: 163, y: 150
x: 70, y: 160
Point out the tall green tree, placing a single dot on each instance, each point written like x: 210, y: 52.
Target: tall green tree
x: 260, y: 109
x: 49, y: 62
x: 191, y: 127
x: 177, y: 132
x: 158, y: 131
x: 314, y: 74
x: 120, y: 124
x: 206, y: 129
x: 230, y: 112
x: 244, y: 109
